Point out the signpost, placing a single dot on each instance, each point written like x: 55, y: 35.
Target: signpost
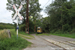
x: 17, y: 13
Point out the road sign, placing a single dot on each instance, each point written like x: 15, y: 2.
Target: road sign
x: 17, y: 12
x: 17, y: 27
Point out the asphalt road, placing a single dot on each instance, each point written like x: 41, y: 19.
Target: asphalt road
x: 44, y: 42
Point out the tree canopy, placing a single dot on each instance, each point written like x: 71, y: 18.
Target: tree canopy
x: 61, y: 15
x: 34, y: 9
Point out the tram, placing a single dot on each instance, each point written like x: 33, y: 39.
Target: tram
x: 39, y: 30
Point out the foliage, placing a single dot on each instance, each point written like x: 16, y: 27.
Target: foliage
x: 6, y: 26
x: 66, y: 27
x: 34, y: 8
x: 44, y: 23
x: 21, y: 28
x: 72, y: 31
x: 61, y: 15
x: 31, y: 26
x: 64, y: 34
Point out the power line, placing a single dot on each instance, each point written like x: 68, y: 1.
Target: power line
x: 46, y: 3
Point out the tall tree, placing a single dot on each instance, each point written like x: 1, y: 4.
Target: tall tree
x: 34, y: 7
x: 61, y: 14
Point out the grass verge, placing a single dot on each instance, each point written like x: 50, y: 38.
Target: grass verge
x: 64, y: 34
x: 13, y: 43
x: 44, y: 34
x: 26, y: 35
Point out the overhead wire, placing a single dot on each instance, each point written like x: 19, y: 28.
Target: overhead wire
x: 46, y: 3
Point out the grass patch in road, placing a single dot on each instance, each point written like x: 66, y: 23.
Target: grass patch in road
x: 27, y: 35
x: 64, y: 34
x: 13, y: 43
x: 44, y: 34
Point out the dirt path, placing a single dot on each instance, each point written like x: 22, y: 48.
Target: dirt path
x: 44, y: 42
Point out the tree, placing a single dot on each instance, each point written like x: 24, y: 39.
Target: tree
x: 61, y: 14
x: 34, y: 7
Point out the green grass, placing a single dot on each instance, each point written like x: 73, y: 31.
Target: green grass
x: 64, y: 34
x: 27, y: 35
x: 44, y: 34
x: 13, y: 43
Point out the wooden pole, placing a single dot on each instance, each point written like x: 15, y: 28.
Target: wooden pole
x: 27, y: 18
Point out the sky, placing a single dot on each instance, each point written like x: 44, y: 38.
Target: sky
x: 44, y: 3
x: 6, y: 17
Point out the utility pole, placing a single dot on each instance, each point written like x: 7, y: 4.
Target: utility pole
x: 27, y: 18
x: 61, y: 17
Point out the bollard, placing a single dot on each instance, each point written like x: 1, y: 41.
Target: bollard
x: 9, y: 34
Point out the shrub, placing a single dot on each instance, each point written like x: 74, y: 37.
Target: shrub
x: 22, y: 27
x: 53, y: 31
x: 66, y: 27
x: 6, y: 26
x: 73, y: 31
x: 58, y: 32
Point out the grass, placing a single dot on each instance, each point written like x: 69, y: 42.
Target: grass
x: 3, y: 34
x: 25, y: 34
x: 25, y: 37
x: 44, y: 34
x: 13, y: 43
x: 64, y: 34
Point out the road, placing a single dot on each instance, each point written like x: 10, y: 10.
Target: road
x: 44, y: 42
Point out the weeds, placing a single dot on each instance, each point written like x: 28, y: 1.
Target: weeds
x: 13, y: 43
x: 3, y: 34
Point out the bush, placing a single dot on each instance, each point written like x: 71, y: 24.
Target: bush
x: 66, y: 27
x: 53, y: 31
x: 31, y: 27
x: 73, y: 31
x: 6, y: 26
x: 22, y: 27
x: 58, y: 32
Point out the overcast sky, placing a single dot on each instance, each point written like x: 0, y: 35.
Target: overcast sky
x: 5, y: 15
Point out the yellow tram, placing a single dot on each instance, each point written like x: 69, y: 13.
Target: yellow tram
x: 39, y: 30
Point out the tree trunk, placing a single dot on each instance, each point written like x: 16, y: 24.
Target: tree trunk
x: 35, y: 26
